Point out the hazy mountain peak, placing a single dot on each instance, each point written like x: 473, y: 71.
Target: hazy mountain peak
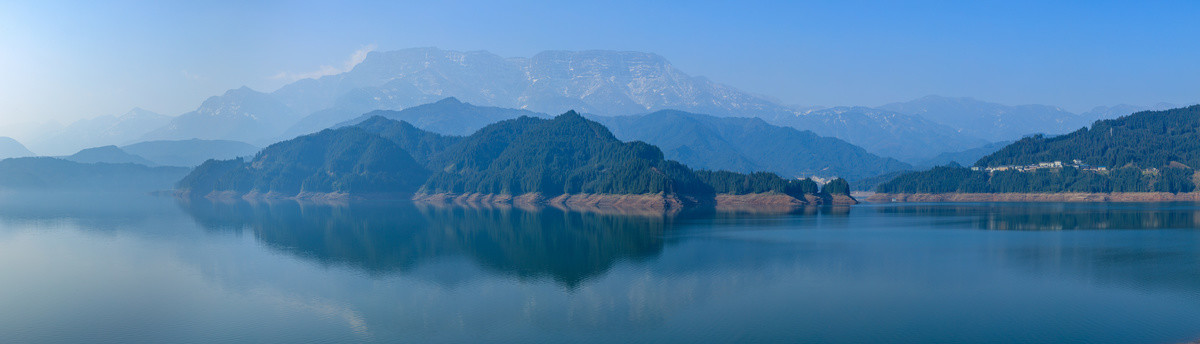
x: 244, y: 91
x: 889, y: 133
x: 593, y: 81
x: 991, y: 121
x: 447, y: 116
x: 10, y: 148
x: 748, y: 145
x: 240, y: 114
x: 138, y: 113
x: 107, y: 154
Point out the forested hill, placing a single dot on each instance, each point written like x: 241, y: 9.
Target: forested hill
x: 349, y: 161
x: 1148, y: 139
x: 422, y: 145
x: 1142, y: 152
x: 564, y: 155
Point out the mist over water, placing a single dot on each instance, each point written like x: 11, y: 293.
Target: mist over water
x: 132, y: 268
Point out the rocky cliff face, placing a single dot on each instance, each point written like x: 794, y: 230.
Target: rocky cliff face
x: 600, y: 82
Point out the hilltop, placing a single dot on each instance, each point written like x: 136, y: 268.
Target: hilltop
x: 1150, y: 151
x: 567, y: 160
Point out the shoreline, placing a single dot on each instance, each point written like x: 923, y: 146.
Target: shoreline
x: 656, y: 202
x: 1147, y: 197
x: 637, y: 201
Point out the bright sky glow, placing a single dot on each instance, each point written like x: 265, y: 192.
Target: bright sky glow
x: 67, y: 60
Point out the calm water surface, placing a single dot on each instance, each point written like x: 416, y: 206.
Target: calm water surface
x: 77, y: 268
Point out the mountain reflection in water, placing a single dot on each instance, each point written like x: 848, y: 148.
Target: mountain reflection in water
x: 87, y: 268
x: 382, y: 238
x: 1058, y: 216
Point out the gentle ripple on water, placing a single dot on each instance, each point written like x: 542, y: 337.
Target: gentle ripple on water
x: 141, y: 269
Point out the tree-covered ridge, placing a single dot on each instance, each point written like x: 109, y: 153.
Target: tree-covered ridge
x: 733, y: 183
x: 565, y: 155
x: 957, y: 179
x: 422, y: 145
x: 347, y: 160
x: 1143, y: 152
x: 1149, y: 139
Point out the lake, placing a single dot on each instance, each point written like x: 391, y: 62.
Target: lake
x: 121, y: 269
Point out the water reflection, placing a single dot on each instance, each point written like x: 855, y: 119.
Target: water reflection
x: 1058, y: 216
x: 290, y: 271
x: 382, y: 238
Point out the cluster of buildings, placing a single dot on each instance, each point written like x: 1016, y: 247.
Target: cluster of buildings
x: 1078, y: 164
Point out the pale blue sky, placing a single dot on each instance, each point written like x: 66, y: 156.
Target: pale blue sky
x: 67, y: 60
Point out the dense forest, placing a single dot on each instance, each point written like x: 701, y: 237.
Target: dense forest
x: 348, y: 160
x: 1150, y: 151
x: 1148, y: 139
x: 950, y: 179
x: 564, y: 155
x: 733, y: 183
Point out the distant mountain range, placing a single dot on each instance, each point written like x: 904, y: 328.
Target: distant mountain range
x: 240, y: 115
x: 448, y: 116
x: 100, y: 131
x: 902, y: 136
x: 699, y: 141
x: 10, y: 148
x: 991, y: 121
x: 601, y: 83
x: 749, y: 145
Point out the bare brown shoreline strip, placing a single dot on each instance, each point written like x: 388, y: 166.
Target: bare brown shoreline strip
x: 1038, y: 197
x: 659, y: 201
